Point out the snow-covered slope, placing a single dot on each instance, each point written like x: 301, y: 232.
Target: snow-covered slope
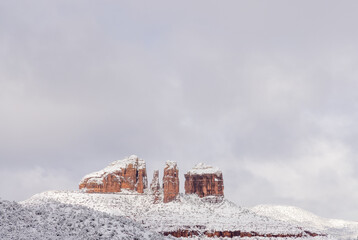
x: 53, y: 220
x: 190, y: 212
x: 338, y: 228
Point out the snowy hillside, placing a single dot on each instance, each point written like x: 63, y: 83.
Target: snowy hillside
x: 338, y: 228
x: 53, y: 220
x: 190, y: 212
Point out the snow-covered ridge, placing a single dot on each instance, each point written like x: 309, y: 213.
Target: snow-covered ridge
x: 118, y: 165
x: 202, y: 168
x: 339, y: 228
x: 191, y: 212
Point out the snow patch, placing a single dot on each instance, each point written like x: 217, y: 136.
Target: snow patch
x: 202, y: 168
x: 170, y: 164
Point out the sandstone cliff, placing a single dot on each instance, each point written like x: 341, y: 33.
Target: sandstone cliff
x: 204, y: 180
x: 129, y: 173
x: 170, y: 181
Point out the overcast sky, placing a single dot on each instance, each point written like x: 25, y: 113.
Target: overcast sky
x: 265, y: 90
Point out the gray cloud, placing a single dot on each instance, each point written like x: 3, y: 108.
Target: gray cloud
x: 265, y: 91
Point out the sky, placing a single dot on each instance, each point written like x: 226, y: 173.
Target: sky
x: 264, y: 90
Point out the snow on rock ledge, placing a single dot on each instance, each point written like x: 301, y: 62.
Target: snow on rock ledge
x: 170, y: 164
x: 204, y: 181
x: 202, y: 168
x: 129, y: 173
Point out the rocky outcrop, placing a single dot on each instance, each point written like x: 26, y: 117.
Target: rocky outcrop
x: 129, y: 173
x: 204, y: 181
x: 170, y: 182
x: 155, y: 186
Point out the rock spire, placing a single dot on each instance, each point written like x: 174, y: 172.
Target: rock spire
x: 170, y: 182
x: 155, y: 186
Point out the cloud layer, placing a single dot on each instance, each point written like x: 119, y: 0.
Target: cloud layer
x: 265, y: 91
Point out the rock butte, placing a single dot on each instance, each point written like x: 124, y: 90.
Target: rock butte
x: 204, y: 180
x: 130, y: 174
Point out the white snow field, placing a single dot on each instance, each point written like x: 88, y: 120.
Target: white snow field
x: 191, y: 213
x: 52, y: 220
x: 340, y: 229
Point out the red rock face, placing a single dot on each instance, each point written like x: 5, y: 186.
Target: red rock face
x: 141, y: 180
x: 230, y: 234
x: 155, y: 186
x: 110, y: 183
x: 128, y: 174
x: 204, y: 184
x: 170, y: 182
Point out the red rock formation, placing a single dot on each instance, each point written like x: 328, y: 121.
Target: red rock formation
x: 142, y: 180
x: 170, y: 182
x: 129, y: 173
x: 204, y: 181
x: 155, y: 186
x: 230, y: 234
